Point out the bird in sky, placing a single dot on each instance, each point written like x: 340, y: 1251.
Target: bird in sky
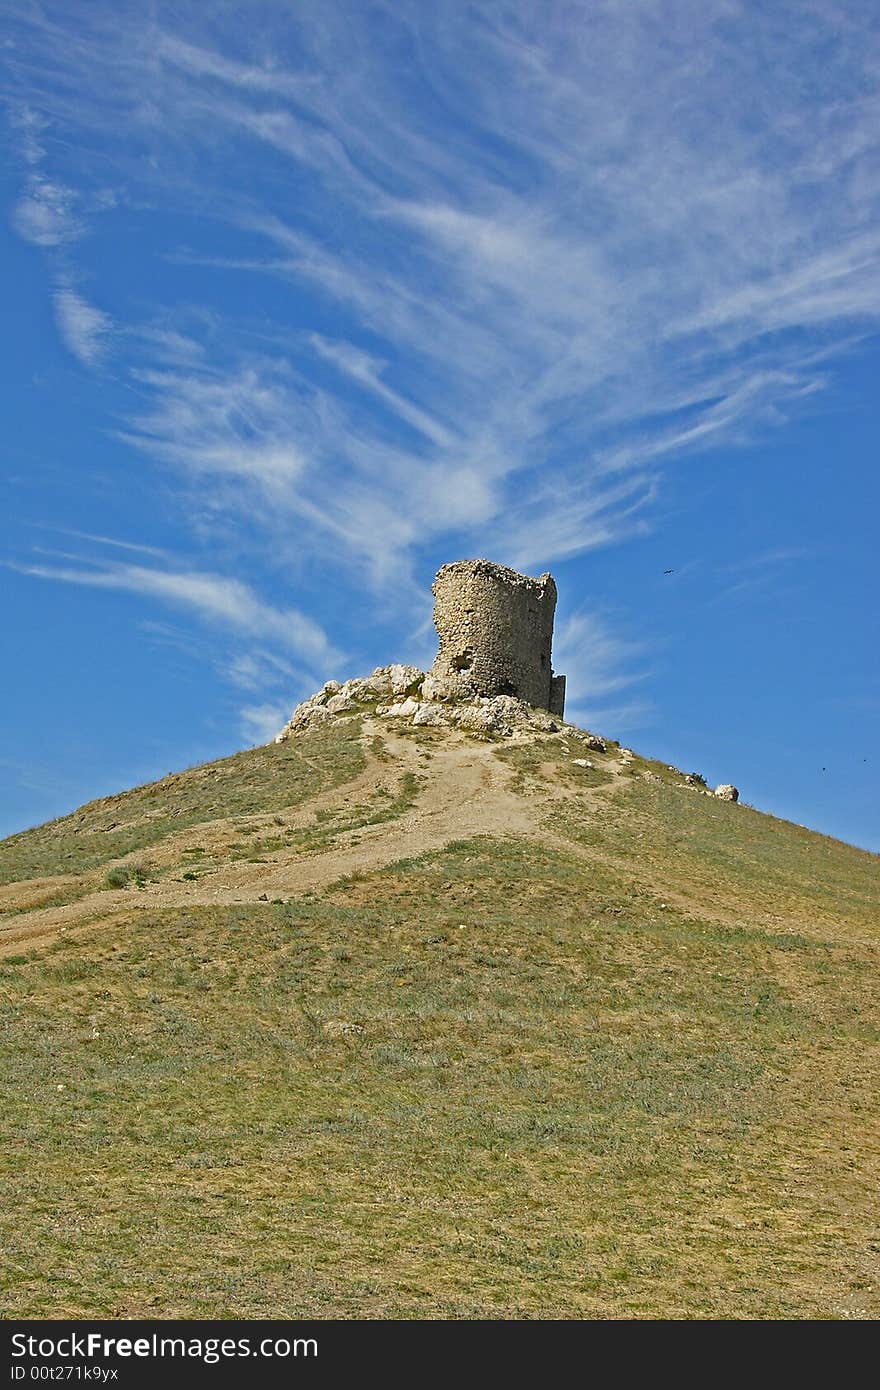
x: 669, y: 571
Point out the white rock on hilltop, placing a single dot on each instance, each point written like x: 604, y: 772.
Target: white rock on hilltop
x: 404, y: 679
x: 403, y: 709
x: 421, y: 700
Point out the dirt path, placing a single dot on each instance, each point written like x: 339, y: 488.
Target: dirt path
x: 465, y: 791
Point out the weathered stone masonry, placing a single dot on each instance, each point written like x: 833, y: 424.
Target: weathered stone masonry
x: 492, y: 676
x: 496, y: 631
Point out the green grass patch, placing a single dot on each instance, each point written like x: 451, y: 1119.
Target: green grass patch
x: 257, y: 781
x: 487, y: 1082
x: 543, y: 758
x: 331, y: 822
x: 726, y: 853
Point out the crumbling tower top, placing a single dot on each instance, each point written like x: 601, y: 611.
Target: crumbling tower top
x: 496, y: 631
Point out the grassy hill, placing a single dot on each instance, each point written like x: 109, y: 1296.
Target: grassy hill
x: 405, y: 1024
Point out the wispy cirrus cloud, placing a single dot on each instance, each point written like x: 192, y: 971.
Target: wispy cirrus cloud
x: 240, y: 424
x: 84, y: 329
x: 259, y: 669
x: 112, y: 541
x: 215, y: 598
x: 47, y: 213
x: 483, y: 277
x: 765, y: 571
x: 259, y: 723
x: 28, y: 127
x: 601, y: 667
x: 366, y: 370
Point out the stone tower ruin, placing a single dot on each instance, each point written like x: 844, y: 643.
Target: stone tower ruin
x: 496, y: 630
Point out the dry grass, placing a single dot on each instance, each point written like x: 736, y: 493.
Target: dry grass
x: 748, y: 863
x: 477, y: 1085
x: 260, y: 780
x: 502, y: 1079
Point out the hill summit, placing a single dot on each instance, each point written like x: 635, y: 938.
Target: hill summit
x: 492, y: 673
x: 479, y: 1015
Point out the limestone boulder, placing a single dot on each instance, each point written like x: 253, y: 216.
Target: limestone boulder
x: 430, y: 714
x: 727, y: 792
x: 401, y: 709
x: 378, y: 684
x: 310, y: 714
x: 541, y: 721
x: 405, y: 680
x: 477, y: 719
x: 357, y: 690
x: 439, y: 688
x: 338, y: 704
x: 508, y: 710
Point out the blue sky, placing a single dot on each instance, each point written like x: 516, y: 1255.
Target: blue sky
x: 302, y: 301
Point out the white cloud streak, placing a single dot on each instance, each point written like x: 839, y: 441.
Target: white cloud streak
x: 83, y: 328
x: 213, y: 598
x: 527, y: 257
x: 47, y: 213
x: 599, y: 664
x: 260, y: 723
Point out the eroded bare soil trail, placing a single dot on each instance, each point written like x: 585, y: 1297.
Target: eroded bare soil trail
x: 411, y: 797
x: 463, y: 789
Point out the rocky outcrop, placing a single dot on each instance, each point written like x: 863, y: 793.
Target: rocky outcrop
x: 727, y: 792
x: 404, y: 695
x: 492, y: 676
x: 408, y: 695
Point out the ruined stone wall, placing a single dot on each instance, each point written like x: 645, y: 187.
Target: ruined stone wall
x: 557, y: 695
x: 496, y: 630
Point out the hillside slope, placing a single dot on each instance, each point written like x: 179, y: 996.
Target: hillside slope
x: 398, y: 1022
